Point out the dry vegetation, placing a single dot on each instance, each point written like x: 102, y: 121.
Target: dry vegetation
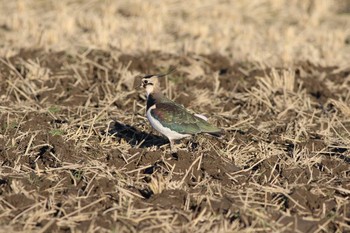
x: 76, y: 151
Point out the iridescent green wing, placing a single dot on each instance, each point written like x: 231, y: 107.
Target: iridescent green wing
x: 177, y: 118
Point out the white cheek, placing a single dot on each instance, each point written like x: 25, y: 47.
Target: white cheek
x: 149, y: 89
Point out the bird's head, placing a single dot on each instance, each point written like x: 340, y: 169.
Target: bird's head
x: 150, y: 83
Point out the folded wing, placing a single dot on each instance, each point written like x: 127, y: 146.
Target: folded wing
x: 177, y: 118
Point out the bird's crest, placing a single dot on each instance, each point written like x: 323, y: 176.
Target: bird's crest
x: 171, y: 69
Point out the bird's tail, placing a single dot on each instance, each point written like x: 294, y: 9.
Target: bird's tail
x: 218, y: 134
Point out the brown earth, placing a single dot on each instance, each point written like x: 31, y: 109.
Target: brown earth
x: 77, y: 154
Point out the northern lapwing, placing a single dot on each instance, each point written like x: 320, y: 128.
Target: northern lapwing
x: 170, y: 119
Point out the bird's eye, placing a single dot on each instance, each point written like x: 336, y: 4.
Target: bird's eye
x: 145, y: 81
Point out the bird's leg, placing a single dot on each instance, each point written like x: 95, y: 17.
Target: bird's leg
x: 172, y: 146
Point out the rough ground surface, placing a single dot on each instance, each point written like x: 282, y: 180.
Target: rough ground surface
x: 76, y: 151
x: 77, y: 154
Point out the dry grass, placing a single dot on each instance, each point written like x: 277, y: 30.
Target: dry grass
x: 269, y: 32
x: 76, y: 150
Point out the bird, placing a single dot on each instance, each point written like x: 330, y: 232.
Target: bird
x: 171, y: 119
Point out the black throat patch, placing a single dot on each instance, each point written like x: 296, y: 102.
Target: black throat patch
x: 150, y: 101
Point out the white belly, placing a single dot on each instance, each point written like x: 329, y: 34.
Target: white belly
x: 170, y: 134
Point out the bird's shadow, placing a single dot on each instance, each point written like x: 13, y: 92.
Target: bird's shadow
x: 134, y: 136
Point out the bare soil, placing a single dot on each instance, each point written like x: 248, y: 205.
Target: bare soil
x: 77, y: 154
